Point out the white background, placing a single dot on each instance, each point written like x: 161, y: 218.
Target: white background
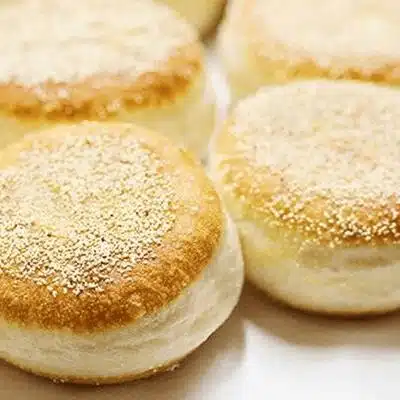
x: 263, y: 352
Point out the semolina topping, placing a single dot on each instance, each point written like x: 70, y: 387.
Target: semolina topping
x: 80, y: 214
x: 333, y: 33
x: 63, y: 42
x: 323, y: 157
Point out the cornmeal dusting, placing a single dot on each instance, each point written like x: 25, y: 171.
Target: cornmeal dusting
x: 360, y: 33
x: 323, y: 157
x: 62, y: 41
x: 80, y: 215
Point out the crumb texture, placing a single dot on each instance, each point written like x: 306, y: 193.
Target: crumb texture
x: 319, y: 157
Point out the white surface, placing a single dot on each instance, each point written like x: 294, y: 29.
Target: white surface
x: 263, y: 352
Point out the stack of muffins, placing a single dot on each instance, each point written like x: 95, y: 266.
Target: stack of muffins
x: 118, y: 256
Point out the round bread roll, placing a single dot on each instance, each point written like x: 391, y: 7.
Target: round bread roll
x: 203, y: 14
x: 275, y: 41
x: 123, y: 60
x: 310, y: 173
x: 116, y: 257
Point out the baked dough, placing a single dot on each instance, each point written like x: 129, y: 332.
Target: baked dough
x: 310, y: 174
x: 116, y: 257
x: 123, y: 60
x: 275, y: 41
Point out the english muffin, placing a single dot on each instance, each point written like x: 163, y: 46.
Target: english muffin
x: 116, y: 256
x: 310, y: 174
x: 119, y: 61
x: 276, y: 41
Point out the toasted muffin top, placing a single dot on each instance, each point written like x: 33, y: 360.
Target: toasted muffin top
x: 338, y: 39
x: 89, y: 60
x: 320, y: 159
x: 100, y: 224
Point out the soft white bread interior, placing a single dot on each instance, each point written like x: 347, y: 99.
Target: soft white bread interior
x: 309, y: 172
x: 117, y: 258
x: 273, y: 41
x: 121, y: 61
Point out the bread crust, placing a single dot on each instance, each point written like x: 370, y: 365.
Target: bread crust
x: 183, y: 254
x: 104, y: 95
x: 108, y: 60
x: 100, y: 380
x: 329, y: 313
x: 309, y: 172
x: 265, y: 194
x: 272, y: 56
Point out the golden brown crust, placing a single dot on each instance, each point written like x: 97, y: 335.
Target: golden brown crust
x: 281, y: 61
x: 255, y: 188
x: 104, y: 95
x: 184, y: 251
x: 95, y: 63
x: 313, y: 174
